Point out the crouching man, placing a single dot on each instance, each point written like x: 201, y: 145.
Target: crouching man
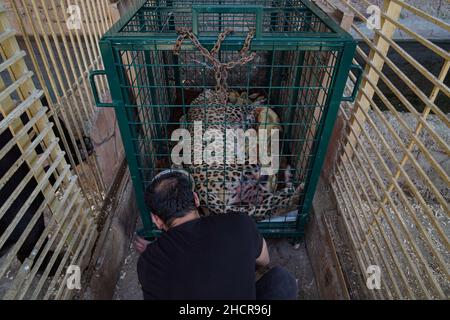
x: 197, y: 257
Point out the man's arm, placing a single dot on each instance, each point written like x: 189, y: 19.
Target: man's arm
x: 256, y: 239
x: 264, y: 258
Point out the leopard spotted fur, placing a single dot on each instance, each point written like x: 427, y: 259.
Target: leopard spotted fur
x: 233, y: 187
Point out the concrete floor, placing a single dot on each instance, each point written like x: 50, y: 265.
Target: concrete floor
x: 282, y: 252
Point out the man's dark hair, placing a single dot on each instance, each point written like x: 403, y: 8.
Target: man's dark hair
x: 170, y: 196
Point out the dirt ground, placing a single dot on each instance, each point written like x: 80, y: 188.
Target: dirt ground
x: 282, y: 252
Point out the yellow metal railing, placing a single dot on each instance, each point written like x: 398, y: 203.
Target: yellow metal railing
x: 62, y: 59
x: 391, y: 180
x: 72, y: 191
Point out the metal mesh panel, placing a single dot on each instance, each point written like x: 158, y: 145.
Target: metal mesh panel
x: 300, y: 65
x: 160, y: 87
x: 279, y: 17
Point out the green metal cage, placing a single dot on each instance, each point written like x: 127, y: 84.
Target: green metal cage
x: 301, y: 66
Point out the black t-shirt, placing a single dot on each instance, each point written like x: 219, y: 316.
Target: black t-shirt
x: 206, y: 258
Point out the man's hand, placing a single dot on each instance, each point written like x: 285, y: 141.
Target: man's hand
x: 140, y: 244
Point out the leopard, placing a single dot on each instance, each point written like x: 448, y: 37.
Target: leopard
x: 223, y: 186
x: 234, y: 187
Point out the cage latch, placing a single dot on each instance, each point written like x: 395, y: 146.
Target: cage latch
x: 97, y: 100
x: 358, y: 73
